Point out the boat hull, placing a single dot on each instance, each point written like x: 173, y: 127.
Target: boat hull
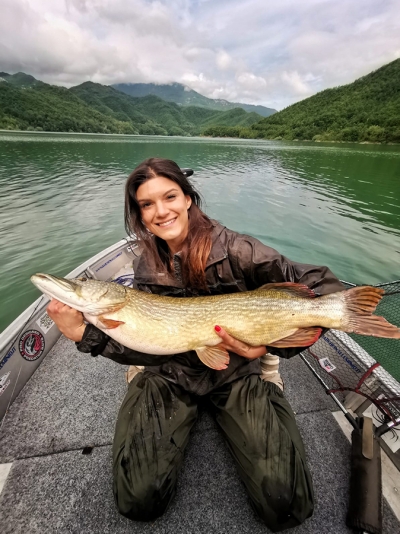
x: 26, y: 342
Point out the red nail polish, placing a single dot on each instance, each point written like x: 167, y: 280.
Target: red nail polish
x: 217, y: 328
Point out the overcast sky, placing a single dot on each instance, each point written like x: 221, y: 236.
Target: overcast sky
x: 270, y: 52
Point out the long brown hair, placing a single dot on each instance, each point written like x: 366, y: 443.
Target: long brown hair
x: 197, y: 245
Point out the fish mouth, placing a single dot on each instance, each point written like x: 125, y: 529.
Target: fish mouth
x: 73, y: 293
x: 49, y: 284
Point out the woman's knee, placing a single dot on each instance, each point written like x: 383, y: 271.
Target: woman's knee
x: 283, y: 506
x: 276, y: 522
x: 143, y: 504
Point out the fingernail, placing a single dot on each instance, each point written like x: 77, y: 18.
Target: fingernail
x: 217, y: 328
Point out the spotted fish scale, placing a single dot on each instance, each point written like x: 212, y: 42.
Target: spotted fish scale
x: 279, y: 315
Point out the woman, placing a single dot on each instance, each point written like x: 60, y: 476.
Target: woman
x: 187, y: 254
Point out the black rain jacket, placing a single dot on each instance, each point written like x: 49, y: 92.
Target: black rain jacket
x: 236, y: 263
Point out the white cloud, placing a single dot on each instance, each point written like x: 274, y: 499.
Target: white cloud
x: 250, y: 81
x: 274, y: 52
x: 296, y: 83
x: 223, y: 60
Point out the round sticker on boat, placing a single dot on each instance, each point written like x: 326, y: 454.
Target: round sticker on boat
x: 31, y: 345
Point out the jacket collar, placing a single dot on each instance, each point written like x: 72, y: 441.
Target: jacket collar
x: 147, y: 273
x: 218, y: 251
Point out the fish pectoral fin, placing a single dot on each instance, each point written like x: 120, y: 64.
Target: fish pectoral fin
x: 108, y: 324
x: 213, y: 357
x: 302, y: 337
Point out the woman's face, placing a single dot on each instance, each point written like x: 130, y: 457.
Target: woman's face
x: 164, y: 210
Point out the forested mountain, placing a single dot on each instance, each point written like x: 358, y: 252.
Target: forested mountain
x: 29, y: 104
x: 183, y: 95
x: 367, y: 110
x: 20, y: 79
x: 151, y: 114
x: 55, y: 109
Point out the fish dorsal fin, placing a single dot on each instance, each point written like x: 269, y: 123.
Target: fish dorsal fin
x: 213, y: 357
x: 303, y: 337
x: 292, y: 288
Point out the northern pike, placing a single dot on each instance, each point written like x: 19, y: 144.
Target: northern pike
x: 278, y: 315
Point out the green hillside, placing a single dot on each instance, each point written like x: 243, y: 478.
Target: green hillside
x: 20, y: 79
x: 168, y: 114
x: 29, y: 104
x: 108, y: 101
x: 152, y: 115
x: 365, y: 110
x: 184, y: 96
x: 233, y: 117
x: 55, y: 109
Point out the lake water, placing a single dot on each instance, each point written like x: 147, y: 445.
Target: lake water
x: 61, y: 201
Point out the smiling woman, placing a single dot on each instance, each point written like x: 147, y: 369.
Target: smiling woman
x: 165, y: 211
x: 161, y: 202
x: 187, y: 254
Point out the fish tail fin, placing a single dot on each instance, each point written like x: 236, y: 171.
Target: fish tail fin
x: 214, y: 357
x: 360, y: 303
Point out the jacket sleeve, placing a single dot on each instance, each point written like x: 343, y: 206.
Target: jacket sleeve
x: 97, y: 342
x: 261, y: 265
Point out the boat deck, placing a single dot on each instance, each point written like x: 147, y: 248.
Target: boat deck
x: 71, y: 402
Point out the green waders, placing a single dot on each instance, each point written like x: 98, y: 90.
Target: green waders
x: 153, y: 429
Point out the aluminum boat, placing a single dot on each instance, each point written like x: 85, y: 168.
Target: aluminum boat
x: 58, y: 408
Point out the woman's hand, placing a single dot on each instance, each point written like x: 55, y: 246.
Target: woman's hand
x: 234, y: 345
x: 69, y: 321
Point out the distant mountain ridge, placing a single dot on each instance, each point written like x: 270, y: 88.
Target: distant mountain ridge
x: 367, y: 110
x: 29, y: 104
x: 168, y: 116
x: 184, y: 96
x: 20, y: 79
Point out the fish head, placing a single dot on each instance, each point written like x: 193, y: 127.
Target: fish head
x: 93, y: 297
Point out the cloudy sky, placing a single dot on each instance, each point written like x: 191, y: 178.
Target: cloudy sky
x: 270, y: 52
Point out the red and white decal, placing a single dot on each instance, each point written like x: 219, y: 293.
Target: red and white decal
x: 326, y: 364
x: 31, y: 345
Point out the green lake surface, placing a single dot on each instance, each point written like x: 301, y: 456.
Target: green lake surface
x: 61, y: 201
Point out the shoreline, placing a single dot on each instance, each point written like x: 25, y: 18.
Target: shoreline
x: 201, y: 136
